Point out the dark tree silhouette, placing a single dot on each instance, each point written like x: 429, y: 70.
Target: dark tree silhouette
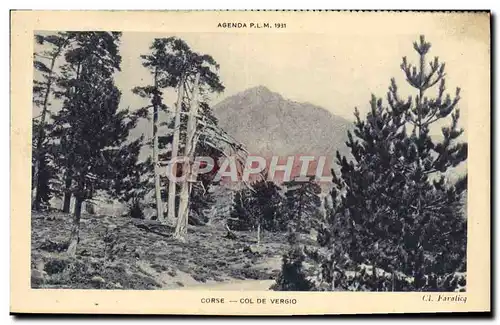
x: 302, y: 204
x: 91, y: 131
x: 394, y: 209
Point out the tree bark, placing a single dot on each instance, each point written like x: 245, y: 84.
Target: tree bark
x: 69, y: 163
x: 67, y: 192
x: 159, y: 202
x: 185, y: 191
x: 175, y: 148
x: 75, y: 230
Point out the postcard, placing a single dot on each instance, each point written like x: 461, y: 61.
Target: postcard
x: 250, y: 162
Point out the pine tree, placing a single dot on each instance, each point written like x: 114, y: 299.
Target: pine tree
x: 45, y: 66
x: 395, y: 218
x: 397, y: 201
x: 303, y: 204
x: 208, y: 145
x: 89, y: 52
x: 175, y: 65
x: 243, y: 214
x: 258, y: 209
x: 292, y: 276
x: 156, y: 62
x: 435, y: 201
x: 197, y: 76
x: 90, y: 128
x: 269, y: 201
x: 201, y: 198
x: 44, y: 171
x: 189, y: 153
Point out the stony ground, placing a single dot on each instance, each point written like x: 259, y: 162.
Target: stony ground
x: 124, y: 253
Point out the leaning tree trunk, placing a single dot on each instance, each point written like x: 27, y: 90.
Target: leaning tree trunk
x: 39, y: 140
x: 175, y: 148
x: 191, y: 139
x: 75, y: 229
x: 159, y: 202
x: 35, y: 195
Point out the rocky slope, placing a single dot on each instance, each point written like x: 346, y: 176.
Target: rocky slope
x: 125, y: 253
x: 269, y: 124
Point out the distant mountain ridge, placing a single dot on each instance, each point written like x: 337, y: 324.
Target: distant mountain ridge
x: 269, y: 124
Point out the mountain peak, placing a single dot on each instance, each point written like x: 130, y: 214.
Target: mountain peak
x: 266, y: 122
x: 259, y: 91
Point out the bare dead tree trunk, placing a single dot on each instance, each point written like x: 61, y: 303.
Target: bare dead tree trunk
x: 75, y: 230
x: 159, y: 202
x: 191, y: 139
x: 175, y: 149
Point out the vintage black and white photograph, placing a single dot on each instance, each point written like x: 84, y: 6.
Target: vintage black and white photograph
x: 250, y: 163
x: 284, y: 162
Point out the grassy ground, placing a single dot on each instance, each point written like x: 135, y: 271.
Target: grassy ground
x: 123, y: 253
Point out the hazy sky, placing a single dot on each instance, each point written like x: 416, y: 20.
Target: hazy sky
x: 335, y: 68
x: 336, y: 72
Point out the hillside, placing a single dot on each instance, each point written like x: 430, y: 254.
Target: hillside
x: 267, y: 123
x: 124, y: 253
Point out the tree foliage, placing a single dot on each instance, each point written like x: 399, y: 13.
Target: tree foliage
x: 302, y: 204
x: 44, y: 63
x: 173, y: 62
x: 261, y: 206
x: 90, y: 129
x: 396, y: 218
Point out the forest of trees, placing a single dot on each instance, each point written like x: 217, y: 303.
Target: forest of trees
x: 83, y: 149
x: 392, y: 221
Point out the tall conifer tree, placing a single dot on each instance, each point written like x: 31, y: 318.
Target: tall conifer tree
x: 302, y: 204
x: 394, y: 207
x: 90, y: 128
x: 45, y: 64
